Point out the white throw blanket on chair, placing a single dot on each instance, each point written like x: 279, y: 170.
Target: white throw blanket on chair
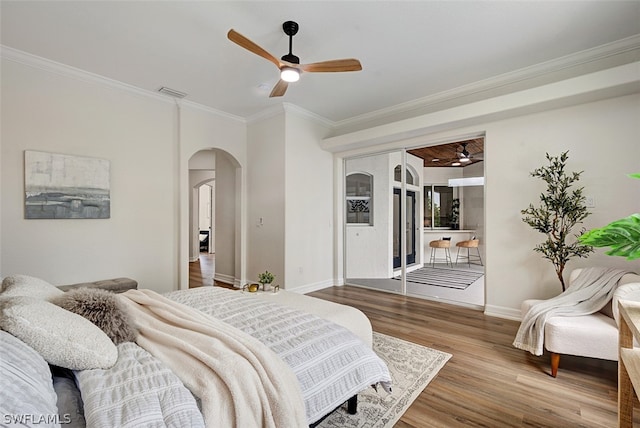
x: 240, y: 382
x: 591, y: 290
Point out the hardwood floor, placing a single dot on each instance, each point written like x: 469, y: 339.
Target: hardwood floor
x: 201, y: 271
x: 487, y: 382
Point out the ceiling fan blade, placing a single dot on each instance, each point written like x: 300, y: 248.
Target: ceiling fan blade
x: 241, y: 40
x: 279, y: 89
x: 332, y: 66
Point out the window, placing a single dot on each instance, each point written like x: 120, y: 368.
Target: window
x: 441, y: 207
x: 397, y: 173
x: 359, y: 187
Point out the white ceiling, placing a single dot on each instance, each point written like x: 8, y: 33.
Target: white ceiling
x: 408, y: 50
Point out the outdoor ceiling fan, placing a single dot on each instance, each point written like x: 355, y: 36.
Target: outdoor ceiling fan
x: 464, y: 156
x: 289, y: 64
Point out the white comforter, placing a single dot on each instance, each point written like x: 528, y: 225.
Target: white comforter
x: 138, y: 391
x: 330, y: 362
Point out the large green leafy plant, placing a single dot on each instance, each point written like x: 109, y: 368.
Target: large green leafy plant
x: 561, y: 209
x: 623, y: 236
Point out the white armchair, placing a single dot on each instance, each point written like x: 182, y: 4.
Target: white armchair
x: 594, y: 335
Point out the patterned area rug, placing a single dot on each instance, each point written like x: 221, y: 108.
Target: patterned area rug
x: 441, y: 277
x: 412, y: 367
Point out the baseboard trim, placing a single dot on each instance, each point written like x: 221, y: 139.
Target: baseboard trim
x: 502, y: 312
x: 309, y: 288
x: 227, y: 279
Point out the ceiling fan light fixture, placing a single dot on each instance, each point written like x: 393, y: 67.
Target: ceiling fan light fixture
x: 465, y: 159
x: 456, y: 164
x: 289, y: 74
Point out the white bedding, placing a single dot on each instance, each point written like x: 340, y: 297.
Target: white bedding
x: 138, y: 391
x: 330, y: 362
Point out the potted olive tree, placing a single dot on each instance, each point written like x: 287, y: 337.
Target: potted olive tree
x: 561, y: 209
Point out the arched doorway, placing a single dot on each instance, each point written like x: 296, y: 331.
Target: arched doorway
x: 219, y: 174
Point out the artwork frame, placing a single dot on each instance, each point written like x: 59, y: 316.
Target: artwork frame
x: 59, y: 186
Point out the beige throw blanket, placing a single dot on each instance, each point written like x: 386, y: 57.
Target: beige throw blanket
x: 588, y: 293
x: 240, y: 382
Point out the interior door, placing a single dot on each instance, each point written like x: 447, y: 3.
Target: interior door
x: 410, y: 218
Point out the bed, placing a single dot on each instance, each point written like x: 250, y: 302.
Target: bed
x: 329, y: 362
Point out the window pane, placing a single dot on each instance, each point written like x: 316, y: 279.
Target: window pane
x: 444, y: 199
x: 359, y: 185
x: 439, y: 206
x: 397, y: 173
x: 428, y: 196
x: 358, y: 211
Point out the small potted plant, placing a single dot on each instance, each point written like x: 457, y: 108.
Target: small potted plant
x: 265, y: 278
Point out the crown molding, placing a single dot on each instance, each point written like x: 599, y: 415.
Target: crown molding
x: 616, y: 81
x: 573, y: 60
x: 266, y: 113
x: 65, y: 70
x: 206, y: 109
x: 288, y: 108
x: 301, y: 112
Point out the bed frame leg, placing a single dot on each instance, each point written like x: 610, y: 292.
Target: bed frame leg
x: 352, y: 405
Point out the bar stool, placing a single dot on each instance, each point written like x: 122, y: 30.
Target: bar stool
x: 471, y: 243
x: 445, y: 244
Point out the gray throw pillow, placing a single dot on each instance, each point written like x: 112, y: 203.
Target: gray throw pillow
x: 102, y: 308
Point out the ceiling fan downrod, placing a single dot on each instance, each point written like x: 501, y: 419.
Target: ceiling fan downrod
x: 290, y: 28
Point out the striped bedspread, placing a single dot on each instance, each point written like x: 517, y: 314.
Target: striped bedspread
x: 329, y: 361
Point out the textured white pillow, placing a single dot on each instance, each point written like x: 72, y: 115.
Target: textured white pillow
x: 61, y: 337
x: 23, y: 285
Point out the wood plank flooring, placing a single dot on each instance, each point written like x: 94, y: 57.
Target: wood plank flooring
x: 487, y: 382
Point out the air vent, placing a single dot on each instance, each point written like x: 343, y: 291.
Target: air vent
x: 172, y: 92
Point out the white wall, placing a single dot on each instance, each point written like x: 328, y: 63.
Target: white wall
x: 266, y: 209
x: 290, y: 200
x: 473, y: 205
x: 53, y: 113
x: 227, y: 221
x: 142, y: 135
x: 602, y: 140
x: 369, y: 248
x: 308, y: 205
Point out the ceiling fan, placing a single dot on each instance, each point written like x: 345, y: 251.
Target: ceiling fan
x: 289, y: 65
x: 464, y: 156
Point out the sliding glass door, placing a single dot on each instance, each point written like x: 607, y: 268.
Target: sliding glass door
x: 409, y: 209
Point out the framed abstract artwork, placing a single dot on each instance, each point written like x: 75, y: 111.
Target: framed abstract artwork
x: 66, y: 187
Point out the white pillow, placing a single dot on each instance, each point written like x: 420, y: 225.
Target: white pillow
x: 25, y: 377
x: 61, y: 337
x: 23, y: 285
